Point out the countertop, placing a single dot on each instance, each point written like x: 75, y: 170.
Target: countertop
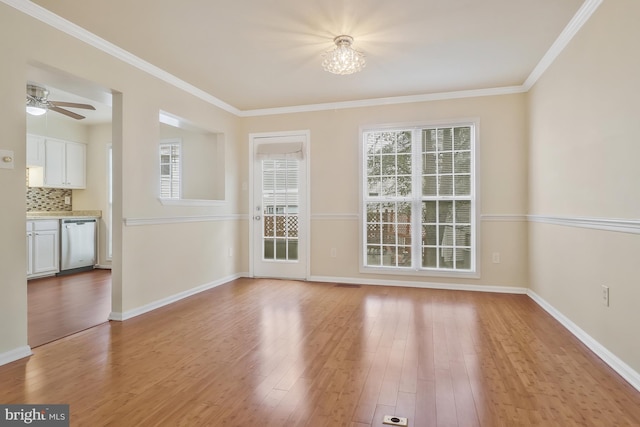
x: 63, y: 214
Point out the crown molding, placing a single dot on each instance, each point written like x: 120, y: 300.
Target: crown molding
x: 49, y: 18
x: 68, y: 27
x: 375, y: 102
x: 579, y: 19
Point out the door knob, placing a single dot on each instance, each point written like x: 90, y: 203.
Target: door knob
x: 257, y: 217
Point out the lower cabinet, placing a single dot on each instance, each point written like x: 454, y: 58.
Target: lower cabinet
x: 43, y: 237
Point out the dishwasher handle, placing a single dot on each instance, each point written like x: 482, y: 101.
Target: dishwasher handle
x: 78, y: 221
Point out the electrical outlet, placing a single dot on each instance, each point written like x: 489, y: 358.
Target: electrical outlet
x: 67, y: 200
x: 392, y: 420
x: 605, y: 296
x: 230, y: 252
x: 333, y: 253
x: 496, y: 257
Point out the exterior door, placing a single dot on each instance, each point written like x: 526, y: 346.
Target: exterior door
x: 279, y: 219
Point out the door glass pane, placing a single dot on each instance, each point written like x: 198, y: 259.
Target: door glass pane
x: 280, y: 209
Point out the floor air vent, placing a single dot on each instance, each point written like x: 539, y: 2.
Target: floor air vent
x: 344, y: 285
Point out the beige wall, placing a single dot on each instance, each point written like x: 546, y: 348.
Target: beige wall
x: 202, y: 162
x: 95, y: 196
x: 334, y: 163
x: 25, y: 43
x: 53, y: 126
x: 584, y: 151
x: 568, y: 148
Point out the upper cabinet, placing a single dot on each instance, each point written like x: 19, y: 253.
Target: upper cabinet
x: 35, y: 151
x: 63, y: 164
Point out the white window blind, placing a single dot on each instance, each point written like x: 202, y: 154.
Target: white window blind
x: 170, y: 170
x: 419, y: 200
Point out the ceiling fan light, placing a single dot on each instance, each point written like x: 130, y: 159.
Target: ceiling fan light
x: 35, y: 110
x: 343, y: 59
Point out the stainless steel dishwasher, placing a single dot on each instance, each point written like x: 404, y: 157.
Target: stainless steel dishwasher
x: 77, y: 245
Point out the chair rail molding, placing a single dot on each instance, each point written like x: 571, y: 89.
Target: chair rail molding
x: 631, y: 226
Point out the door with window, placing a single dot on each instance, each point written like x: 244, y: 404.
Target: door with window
x: 279, y: 215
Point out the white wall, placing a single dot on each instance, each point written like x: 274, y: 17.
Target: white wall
x: 584, y: 151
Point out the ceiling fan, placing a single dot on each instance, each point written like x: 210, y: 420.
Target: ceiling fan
x: 38, y: 103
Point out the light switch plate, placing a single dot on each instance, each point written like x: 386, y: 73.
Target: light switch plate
x: 6, y: 159
x: 392, y: 420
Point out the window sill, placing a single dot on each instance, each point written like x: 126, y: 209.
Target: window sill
x: 397, y: 271
x: 191, y: 202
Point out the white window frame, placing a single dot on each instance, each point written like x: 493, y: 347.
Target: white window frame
x: 173, y: 142
x: 416, y: 269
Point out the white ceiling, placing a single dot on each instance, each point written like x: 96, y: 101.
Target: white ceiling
x: 257, y: 54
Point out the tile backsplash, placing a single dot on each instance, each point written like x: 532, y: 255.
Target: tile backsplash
x: 47, y: 199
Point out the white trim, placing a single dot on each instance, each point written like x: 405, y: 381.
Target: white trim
x: 103, y: 267
x: 416, y: 129
x: 117, y: 316
x: 579, y: 19
x: 420, y: 284
x: 191, y: 202
x: 55, y: 21
x: 59, y: 23
x: 335, y: 217
x: 15, y: 354
x: 503, y: 218
x: 374, y: 102
x: 631, y: 226
x: 254, y: 139
x: 624, y: 370
x: 130, y: 222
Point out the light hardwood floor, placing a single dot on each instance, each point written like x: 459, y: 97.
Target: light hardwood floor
x: 63, y: 305
x: 286, y: 353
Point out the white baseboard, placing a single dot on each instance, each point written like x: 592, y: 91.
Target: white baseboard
x: 15, y: 354
x: 624, y: 370
x: 424, y: 285
x: 117, y: 316
x: 103, y: 266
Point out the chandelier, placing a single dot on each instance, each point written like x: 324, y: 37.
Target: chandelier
x: 343, y: 59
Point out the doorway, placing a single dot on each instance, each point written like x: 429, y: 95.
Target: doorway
x: 62, y: 305
x: 279, y: 221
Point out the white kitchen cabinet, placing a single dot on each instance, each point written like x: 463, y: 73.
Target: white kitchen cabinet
x: 65, y: 164
x: 43, y: 242
x: 35, y: 151
x: 75, y: 164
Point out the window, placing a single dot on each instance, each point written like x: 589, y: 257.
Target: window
x: 280, y: 200
x: 419, y: 198
x: 170, y: 169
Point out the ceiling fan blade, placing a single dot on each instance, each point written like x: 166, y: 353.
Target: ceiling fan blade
x: 71, y: 105
x: 66, y: 112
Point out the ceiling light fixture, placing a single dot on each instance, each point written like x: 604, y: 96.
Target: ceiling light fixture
x: 35, y: 108
x: 343, y: 59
